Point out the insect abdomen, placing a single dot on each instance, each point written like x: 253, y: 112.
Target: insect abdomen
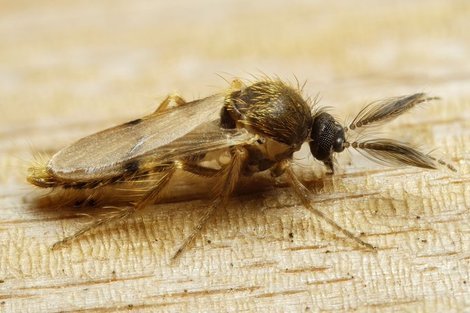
x: 41, y: 177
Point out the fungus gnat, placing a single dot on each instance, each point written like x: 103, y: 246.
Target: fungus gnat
x: 257, y: 127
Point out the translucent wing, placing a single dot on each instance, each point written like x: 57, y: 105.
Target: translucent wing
x: 171, y: 134
x: 205, y: 138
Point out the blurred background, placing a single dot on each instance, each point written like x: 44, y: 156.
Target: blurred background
x: 98, y: 60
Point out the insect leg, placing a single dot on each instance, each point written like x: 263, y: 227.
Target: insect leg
x: 149, y: 197
x: 304, y: 195
x: 277, y: 169
x: 178, y: 100
x: 236, y: 84
x: 329, y: 164
x: 228, y: 178
x: 200, y: 170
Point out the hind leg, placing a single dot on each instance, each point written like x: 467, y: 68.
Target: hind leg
x: 149, y: 197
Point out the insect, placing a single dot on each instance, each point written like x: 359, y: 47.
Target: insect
x: 240, y: 132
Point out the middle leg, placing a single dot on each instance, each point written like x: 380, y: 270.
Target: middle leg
x: 224, y: 187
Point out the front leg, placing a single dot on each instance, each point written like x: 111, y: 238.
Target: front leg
x: 329, y: 163
x: 175, y: 98
x: 304, y: 195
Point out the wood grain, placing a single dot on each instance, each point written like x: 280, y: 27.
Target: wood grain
x: 68, y: 69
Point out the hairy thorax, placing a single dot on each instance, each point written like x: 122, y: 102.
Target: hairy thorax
x: 276, y: 113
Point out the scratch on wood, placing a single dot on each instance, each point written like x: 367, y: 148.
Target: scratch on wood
x: 394, y: 303
x: 405, y: 231
x: 447, y: 220
x: 346, y: 196
x: 121, y: 307
x: 437, y: 254
x: 306, y: 269
x: 209, y: 292
x: 13, y: 296
x: 280, y: 293
x: 330, y: 281
x: 261, y: 264
x: 458, y: 182
x: 87, y: 283
x: 299, y: 248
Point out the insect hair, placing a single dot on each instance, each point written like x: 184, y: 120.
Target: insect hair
x: 242, y: 131
x: 386, y: 110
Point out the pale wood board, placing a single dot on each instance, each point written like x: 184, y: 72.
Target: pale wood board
x: 68, y: 69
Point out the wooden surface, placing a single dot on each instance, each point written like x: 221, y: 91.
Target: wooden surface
x: 68, y: 69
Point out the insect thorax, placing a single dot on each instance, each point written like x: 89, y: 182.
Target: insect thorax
x: 276, y: 113
x: 270, y: 109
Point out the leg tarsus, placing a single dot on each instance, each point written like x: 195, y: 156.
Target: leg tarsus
x: 109, y: 218
x: 175, y: 98
x: 197, y: 230
x: 303, y: 194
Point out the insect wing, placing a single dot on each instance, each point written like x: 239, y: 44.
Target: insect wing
x: 104, y: 154
x: 205, y: 138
